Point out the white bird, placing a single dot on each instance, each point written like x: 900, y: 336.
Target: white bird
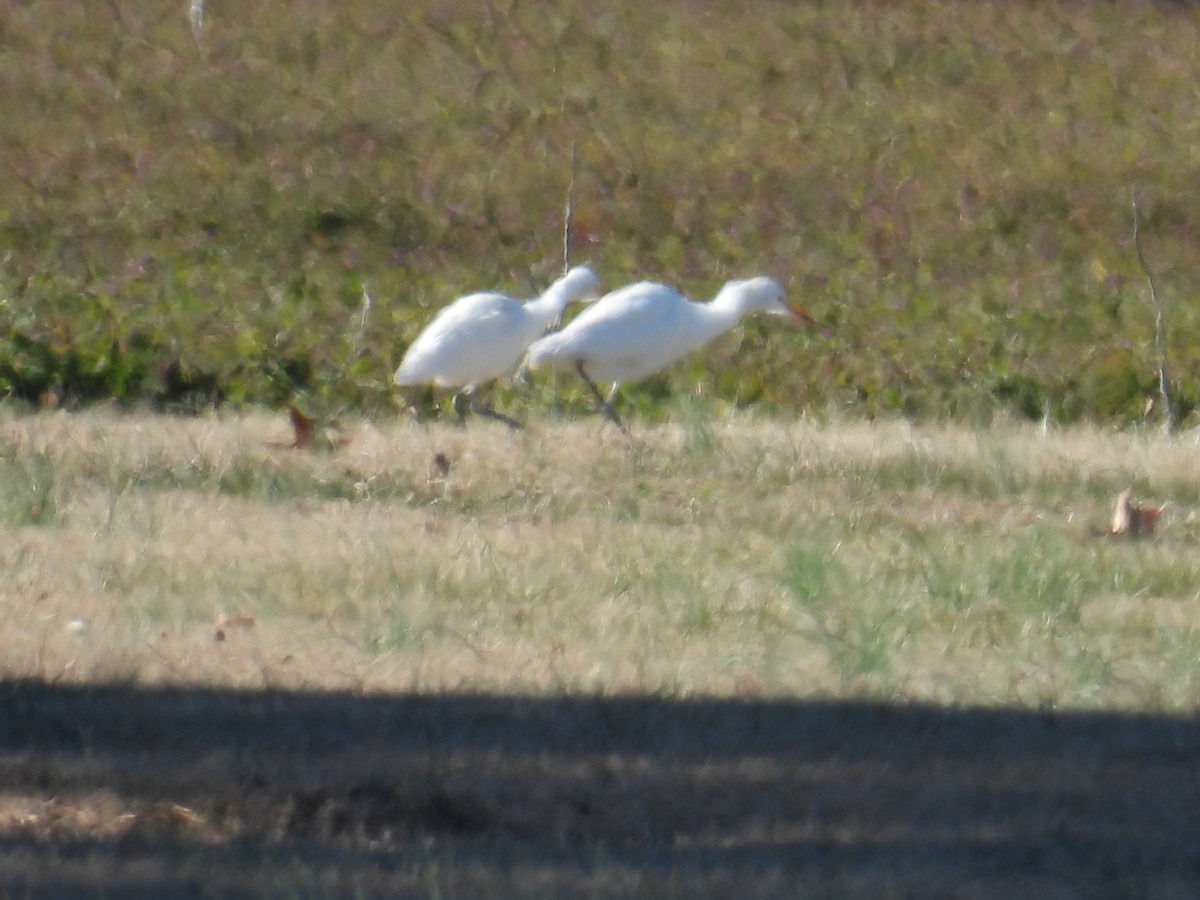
x: 638, y: 330
x: 480, y: 337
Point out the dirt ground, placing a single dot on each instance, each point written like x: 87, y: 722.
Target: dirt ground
x: 132, y: 792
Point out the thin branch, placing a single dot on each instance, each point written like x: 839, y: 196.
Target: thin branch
x: 196, y: 20
x: 1160, y: 325
x: 356, y: 342
x: 569, y: 210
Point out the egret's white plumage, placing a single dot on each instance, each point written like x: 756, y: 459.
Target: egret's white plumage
x: 638, y: 330
x: 480, y: 337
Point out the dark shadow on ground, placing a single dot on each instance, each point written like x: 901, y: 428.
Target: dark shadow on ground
x: 122, y: 791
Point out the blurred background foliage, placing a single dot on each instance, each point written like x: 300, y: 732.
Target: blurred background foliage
x: 947, y: 186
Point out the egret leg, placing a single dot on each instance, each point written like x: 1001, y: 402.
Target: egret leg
x: 606, y: 406
x: 487, y: 412
x: 472, y: 402
x: 461, y: 401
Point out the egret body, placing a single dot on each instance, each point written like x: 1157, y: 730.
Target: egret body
x: 640, y: 329
x: 480, y: 337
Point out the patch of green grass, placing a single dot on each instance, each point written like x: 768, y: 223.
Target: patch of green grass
x: 857, y: 629
x: 30, y: 490
x: 396, y: 634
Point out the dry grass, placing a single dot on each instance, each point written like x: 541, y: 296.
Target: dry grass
x: 721, y: 559
x: 720, y: 657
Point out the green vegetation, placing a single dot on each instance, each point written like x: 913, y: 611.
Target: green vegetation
x: 946, y: 185
x: 28, y: 490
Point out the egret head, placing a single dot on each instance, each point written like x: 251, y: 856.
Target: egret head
x: 764, y: 294
x: 580, y: 284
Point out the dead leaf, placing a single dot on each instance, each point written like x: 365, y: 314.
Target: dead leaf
x: 309, y: 434
x: 441, y: 463
x: 1134, y: 521
x: 303, y: 428
x: 222, y: 623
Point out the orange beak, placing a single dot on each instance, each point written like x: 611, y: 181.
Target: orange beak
x: 800, y: 315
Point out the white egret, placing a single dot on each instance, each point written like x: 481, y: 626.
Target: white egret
x: 480, y: 337
x: 638, y: 330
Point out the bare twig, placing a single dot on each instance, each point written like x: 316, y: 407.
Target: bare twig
x: 569, y: 210
x: 568, y: 222
x: 196, y: 20
x: 1160, y: 326
x: 367, y: 302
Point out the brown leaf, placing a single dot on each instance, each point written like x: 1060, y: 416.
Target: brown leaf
x: 308, y: 434
x: 441, y: 464
x: 1131, y: 520
x: 222, y: 623
x: 303, y: 428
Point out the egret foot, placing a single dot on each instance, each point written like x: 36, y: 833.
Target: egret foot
x: 465, y: 400
x: 606, y: 405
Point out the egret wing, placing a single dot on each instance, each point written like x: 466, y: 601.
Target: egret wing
x: 634, y: 313
x: 468, y: 341
x: 621, y: 337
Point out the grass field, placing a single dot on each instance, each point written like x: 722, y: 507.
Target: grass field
x: 717, y: 658
x: 868, y: 560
